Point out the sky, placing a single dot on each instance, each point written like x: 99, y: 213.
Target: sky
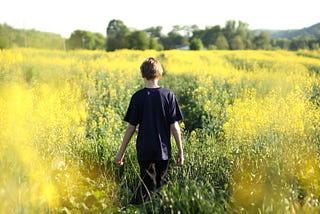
x: 65, y: 16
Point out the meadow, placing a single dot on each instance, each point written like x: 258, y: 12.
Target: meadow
x: 251, y: 131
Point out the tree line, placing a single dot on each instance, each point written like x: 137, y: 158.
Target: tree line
x: 233, y: 36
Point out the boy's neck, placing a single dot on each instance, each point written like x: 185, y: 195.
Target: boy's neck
x: 152, y: 83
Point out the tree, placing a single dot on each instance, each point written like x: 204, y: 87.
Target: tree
x: 155, y: 36
x: 210, y: 36
x: 174, y: 39
x: 242, y: 37
x: 154, y: 32
x: 188, y: 29
x: 117, y: 35
x: 282, y: 43
x: 237, y: 43
x: 298, y: 44
x: 138, y: 40
x: 196, y: 44
x: 154, y: 44
x: 5, y: 34
x: 222, y: 42
x: 249, y: 40
x: 229, y: 30
x: 99, y: 41
x: 262, y: 41
x: 242, y: 29
x: 314, y: 44
x: 81, y: 39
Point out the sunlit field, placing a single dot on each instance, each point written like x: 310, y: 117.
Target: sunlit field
x: 251, y: 131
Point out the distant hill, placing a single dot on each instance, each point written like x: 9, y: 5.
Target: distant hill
x: 312, y: 31
x: 11, y: 37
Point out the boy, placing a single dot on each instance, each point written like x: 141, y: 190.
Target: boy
x: 156, y: 113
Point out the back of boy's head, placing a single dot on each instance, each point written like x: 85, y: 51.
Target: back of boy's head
x: 151, y: 69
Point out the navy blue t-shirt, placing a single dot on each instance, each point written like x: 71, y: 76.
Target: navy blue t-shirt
x: 153, y: 109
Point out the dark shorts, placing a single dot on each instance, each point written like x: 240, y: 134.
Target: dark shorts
x: 153, y: 174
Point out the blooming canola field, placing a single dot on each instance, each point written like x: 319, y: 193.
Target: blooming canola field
x: 251, y: 131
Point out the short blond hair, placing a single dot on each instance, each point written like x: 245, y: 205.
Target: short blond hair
x: 151, y: 68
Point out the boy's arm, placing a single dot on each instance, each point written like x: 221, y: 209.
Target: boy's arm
x: 175, y: 130
x: 126, y: 139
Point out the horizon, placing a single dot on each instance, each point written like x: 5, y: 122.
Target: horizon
x: 130, y: 27
x: 63, y: 17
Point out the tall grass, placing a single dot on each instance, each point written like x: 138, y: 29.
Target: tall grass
x: 251, y: 131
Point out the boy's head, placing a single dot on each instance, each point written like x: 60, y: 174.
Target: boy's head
x: 151, y: 69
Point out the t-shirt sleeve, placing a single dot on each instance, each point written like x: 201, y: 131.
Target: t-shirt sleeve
x: 175, y: 111
x: 132, y: 112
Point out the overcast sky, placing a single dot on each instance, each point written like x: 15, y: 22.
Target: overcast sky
x: 65, y: 16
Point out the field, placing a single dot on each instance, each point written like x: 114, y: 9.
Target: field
x: 251, y: 132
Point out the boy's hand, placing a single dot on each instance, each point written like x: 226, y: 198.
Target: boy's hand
x: 118, y: 159
x: 119, y: 162
x: 180, y: 160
